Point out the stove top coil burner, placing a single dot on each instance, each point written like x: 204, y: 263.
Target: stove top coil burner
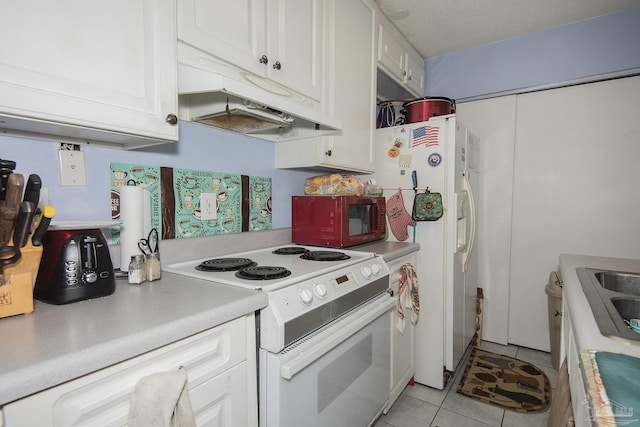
x: 225, y: 264
x: 262, y: 272
x: 290, y: 250
x: 325, y: 256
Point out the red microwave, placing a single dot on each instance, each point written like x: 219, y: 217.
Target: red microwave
x: 337, y: 221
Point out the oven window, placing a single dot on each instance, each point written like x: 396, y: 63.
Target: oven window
x: 360, y: 219
x: 337, y: 376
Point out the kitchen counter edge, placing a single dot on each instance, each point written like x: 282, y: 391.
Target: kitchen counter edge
x: 586, y: 332
x: 58, y: 343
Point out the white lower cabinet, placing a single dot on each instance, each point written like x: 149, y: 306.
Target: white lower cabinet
x: 221, y: 378
x: 403, y: 364
x: 569, y: 350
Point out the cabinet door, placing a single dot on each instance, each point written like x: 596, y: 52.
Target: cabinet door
x: 353, y: 86
x: 102, y: 65
x: 348, y: 92
x: 221, y: 379
x: 402, y: 343
x: 232, y: 31
x: 295, y: 45
x: 415, y: 75
x: 391, y: 55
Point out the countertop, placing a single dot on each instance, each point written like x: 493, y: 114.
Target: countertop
x: 601, y: 378
x: 585, y: 329
x: 58, y: 343
x: 388, y: 250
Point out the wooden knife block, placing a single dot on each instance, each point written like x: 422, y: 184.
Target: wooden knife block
x: 16, y: 296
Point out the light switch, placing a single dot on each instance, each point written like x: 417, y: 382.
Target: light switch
x: 208, y: 206
x: 72, y: 171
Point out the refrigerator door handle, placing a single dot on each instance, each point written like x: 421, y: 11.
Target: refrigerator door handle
x: 472, y: 218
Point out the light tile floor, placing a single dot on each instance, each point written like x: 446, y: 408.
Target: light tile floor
x: 421, y: 406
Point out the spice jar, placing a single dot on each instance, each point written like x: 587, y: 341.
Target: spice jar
x: 153, y: 266
x: 137, y: 269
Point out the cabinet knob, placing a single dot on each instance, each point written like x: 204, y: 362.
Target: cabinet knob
x: 390, y: 292
x: 328, y: 153
x: 409, y: 78
x: 404, y: 73
x: 277, y: 65
x: 263, y: 59
x: 172, y: 119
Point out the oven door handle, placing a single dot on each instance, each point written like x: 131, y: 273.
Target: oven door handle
x: 335, y: 335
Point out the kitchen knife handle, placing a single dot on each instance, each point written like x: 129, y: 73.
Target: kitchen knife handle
x: 48, y: 212
x: 23, y: 224
x: 32, y: 190
x: 15, y: 188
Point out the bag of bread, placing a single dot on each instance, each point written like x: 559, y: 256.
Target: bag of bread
x: 333, y: 184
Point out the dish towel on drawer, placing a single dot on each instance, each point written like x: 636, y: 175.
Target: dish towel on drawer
x: 407, y: 295
x: 161, y: 400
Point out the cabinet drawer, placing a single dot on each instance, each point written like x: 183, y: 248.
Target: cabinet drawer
x: 102, y: 398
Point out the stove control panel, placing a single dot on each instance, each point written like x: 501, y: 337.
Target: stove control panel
x: 298, y: 309
x: 294, y: 300
x: 370, y: 270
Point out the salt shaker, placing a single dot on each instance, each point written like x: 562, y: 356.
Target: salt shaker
x: 153, y: 266
x: 137, y: 270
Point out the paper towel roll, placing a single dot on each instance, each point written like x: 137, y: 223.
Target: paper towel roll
x: 135, y: 221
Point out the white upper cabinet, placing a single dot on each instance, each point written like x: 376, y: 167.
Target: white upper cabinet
x: 90, y: 71
x: 350, y: 87
x: 415, y: 74
x: 398, y: 59
x: 276, y: 39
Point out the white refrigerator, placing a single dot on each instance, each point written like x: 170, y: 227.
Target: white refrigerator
x: 442, y: 156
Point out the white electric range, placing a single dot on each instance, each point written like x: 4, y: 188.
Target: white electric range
x: 324, y: 336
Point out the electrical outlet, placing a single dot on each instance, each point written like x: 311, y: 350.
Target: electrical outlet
x: 208, y: 206
x: 72, y: 171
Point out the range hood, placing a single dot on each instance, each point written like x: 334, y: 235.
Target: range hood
x: 249, y: 105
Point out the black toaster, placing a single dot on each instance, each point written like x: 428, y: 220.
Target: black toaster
x: 75, y: 266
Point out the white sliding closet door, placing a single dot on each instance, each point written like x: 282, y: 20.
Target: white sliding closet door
x: 575, y: 189
x: 559, y: 173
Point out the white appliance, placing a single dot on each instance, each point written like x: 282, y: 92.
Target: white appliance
x: 324, y: 338
x: 443, y: 154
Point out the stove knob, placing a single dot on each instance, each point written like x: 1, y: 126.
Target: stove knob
x: 305, y: 296
x: 375, y: 269
x: 320, y: 290
x: 366, y: 271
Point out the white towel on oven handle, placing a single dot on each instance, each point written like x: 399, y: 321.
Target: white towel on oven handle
x: 407, y: 296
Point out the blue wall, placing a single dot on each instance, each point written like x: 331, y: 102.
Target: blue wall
x: 200, y: 147
x: 588, y: 50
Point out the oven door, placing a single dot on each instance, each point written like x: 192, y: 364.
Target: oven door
x: 338, y: 376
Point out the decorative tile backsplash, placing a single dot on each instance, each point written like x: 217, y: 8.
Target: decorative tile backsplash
x: 191, y: 203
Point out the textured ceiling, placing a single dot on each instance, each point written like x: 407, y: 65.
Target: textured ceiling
x: 437, y: 27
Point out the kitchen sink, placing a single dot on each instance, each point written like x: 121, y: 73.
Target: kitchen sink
x: 628, y: 308
x: 626, y: 283
x: 614, y: 297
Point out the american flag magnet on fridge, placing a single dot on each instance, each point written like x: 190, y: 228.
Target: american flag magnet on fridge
x: 425, y: 135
